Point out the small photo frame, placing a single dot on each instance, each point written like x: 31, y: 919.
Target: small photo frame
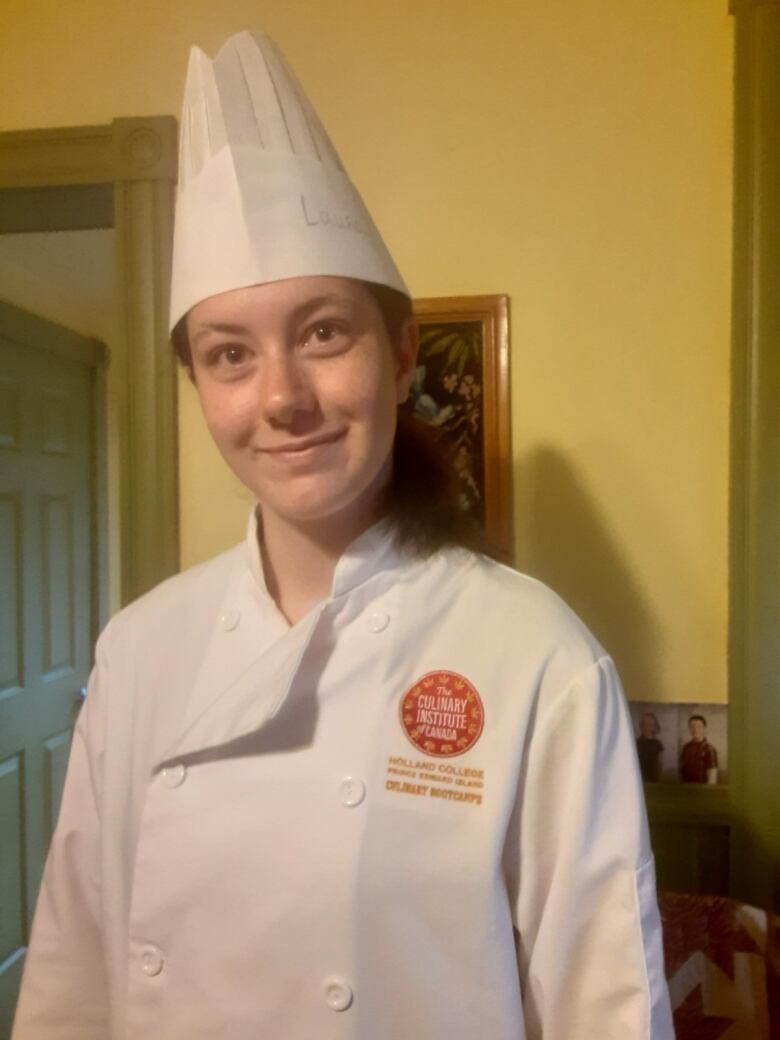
x: 461, y: 387
x: 685, y: 743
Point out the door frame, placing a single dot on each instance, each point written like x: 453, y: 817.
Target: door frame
x: 120, y: 175
x: 754, y: 649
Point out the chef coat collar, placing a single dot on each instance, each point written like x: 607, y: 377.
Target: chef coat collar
x: 372, y: 553
x: 236, y: 693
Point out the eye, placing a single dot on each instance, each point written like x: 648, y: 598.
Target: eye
x: 325, y: 332
x: 327, y: 337
x: 227, y: 359
x: 233, y: 354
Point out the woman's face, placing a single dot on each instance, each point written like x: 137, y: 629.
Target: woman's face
x: 300, y: 386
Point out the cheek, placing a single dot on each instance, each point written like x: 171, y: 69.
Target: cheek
x: 227, y: 415
x: 367, y: 390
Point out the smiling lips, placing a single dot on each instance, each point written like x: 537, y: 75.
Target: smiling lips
x: 300, y: 448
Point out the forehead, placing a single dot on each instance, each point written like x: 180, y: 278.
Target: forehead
x: 257, y: 305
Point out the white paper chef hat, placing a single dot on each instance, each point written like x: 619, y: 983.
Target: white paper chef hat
x: 262, y: 193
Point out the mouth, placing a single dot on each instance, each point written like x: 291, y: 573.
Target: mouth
x: 301, y: 448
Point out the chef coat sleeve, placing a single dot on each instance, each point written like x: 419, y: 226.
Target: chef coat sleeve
x: 581, y: 873
x: 64, y: 992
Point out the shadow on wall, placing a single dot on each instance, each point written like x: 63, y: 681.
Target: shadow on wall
x: 569, y: 548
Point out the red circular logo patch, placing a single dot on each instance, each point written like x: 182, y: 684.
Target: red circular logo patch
x: 442, y: 714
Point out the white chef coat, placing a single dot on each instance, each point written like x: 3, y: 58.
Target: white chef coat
x: 245, y: 850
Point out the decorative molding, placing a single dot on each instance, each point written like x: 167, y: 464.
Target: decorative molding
x: 145, y: 164
x: 145, y: 149
x: 53, y: 158
x: 148, y: 419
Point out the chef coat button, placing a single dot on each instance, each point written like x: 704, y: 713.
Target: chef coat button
x: 151, y: 961
x: 352, y: 791
x: 174, y: 776
x: 229, y: 619
x: 378, y: 621
x: 338, y: 995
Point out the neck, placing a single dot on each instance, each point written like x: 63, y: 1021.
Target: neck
x: 299, y: 560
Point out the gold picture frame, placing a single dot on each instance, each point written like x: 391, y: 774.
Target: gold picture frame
x: 462, y: 386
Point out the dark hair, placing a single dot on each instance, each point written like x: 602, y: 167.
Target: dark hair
x: 701, y: 719
x: 423, y: 501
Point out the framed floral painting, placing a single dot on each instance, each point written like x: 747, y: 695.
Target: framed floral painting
x: 461, y: 386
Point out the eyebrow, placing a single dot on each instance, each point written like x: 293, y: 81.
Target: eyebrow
x: 219, y: 326
x: 297, y: 314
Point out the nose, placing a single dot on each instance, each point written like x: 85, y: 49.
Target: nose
x: 286, y: 391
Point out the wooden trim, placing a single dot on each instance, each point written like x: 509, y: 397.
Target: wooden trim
x: 754, y: 646
x: 688, y: 803
x: 145, y: 149
x: 145, y: 160
x: 101, y: 566
x: 149, y: 480
x: 53, y: 158
x: 493, y: 314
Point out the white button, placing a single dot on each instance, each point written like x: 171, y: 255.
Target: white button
x: 174, y: 776
x: 338, y: 995
x: 378, y: 621
x: 229, y: 619
x: 151, y: 961
x: 352, y: 791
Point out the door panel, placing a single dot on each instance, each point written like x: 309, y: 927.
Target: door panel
x: 57, y: 635
x: 12, y: 921
x: 11, y: 599
x: 46, y: 606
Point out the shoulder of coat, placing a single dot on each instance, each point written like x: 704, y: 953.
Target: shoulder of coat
x: 530, y: 612
x: 198, y: 586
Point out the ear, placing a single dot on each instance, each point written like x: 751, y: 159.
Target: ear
x: 406, y: 358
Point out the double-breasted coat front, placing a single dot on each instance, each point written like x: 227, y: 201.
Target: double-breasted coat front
x: 272, y: 831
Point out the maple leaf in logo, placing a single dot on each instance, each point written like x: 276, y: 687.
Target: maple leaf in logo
x: 408, y: 720
x: 416, y: 734
x: 429, y: 745
x: 443, y: 679
x: 459, y: 684
x: 473, y: 729
x: 462, y: 742
x: 427, y: 682
x: 446, y: 748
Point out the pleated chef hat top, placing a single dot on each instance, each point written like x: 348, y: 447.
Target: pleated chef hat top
x: 262, y: 193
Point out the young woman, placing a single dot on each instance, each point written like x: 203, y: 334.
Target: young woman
x: 347, y: 779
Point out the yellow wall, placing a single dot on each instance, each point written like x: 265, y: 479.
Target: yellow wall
x: 573, y: 154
